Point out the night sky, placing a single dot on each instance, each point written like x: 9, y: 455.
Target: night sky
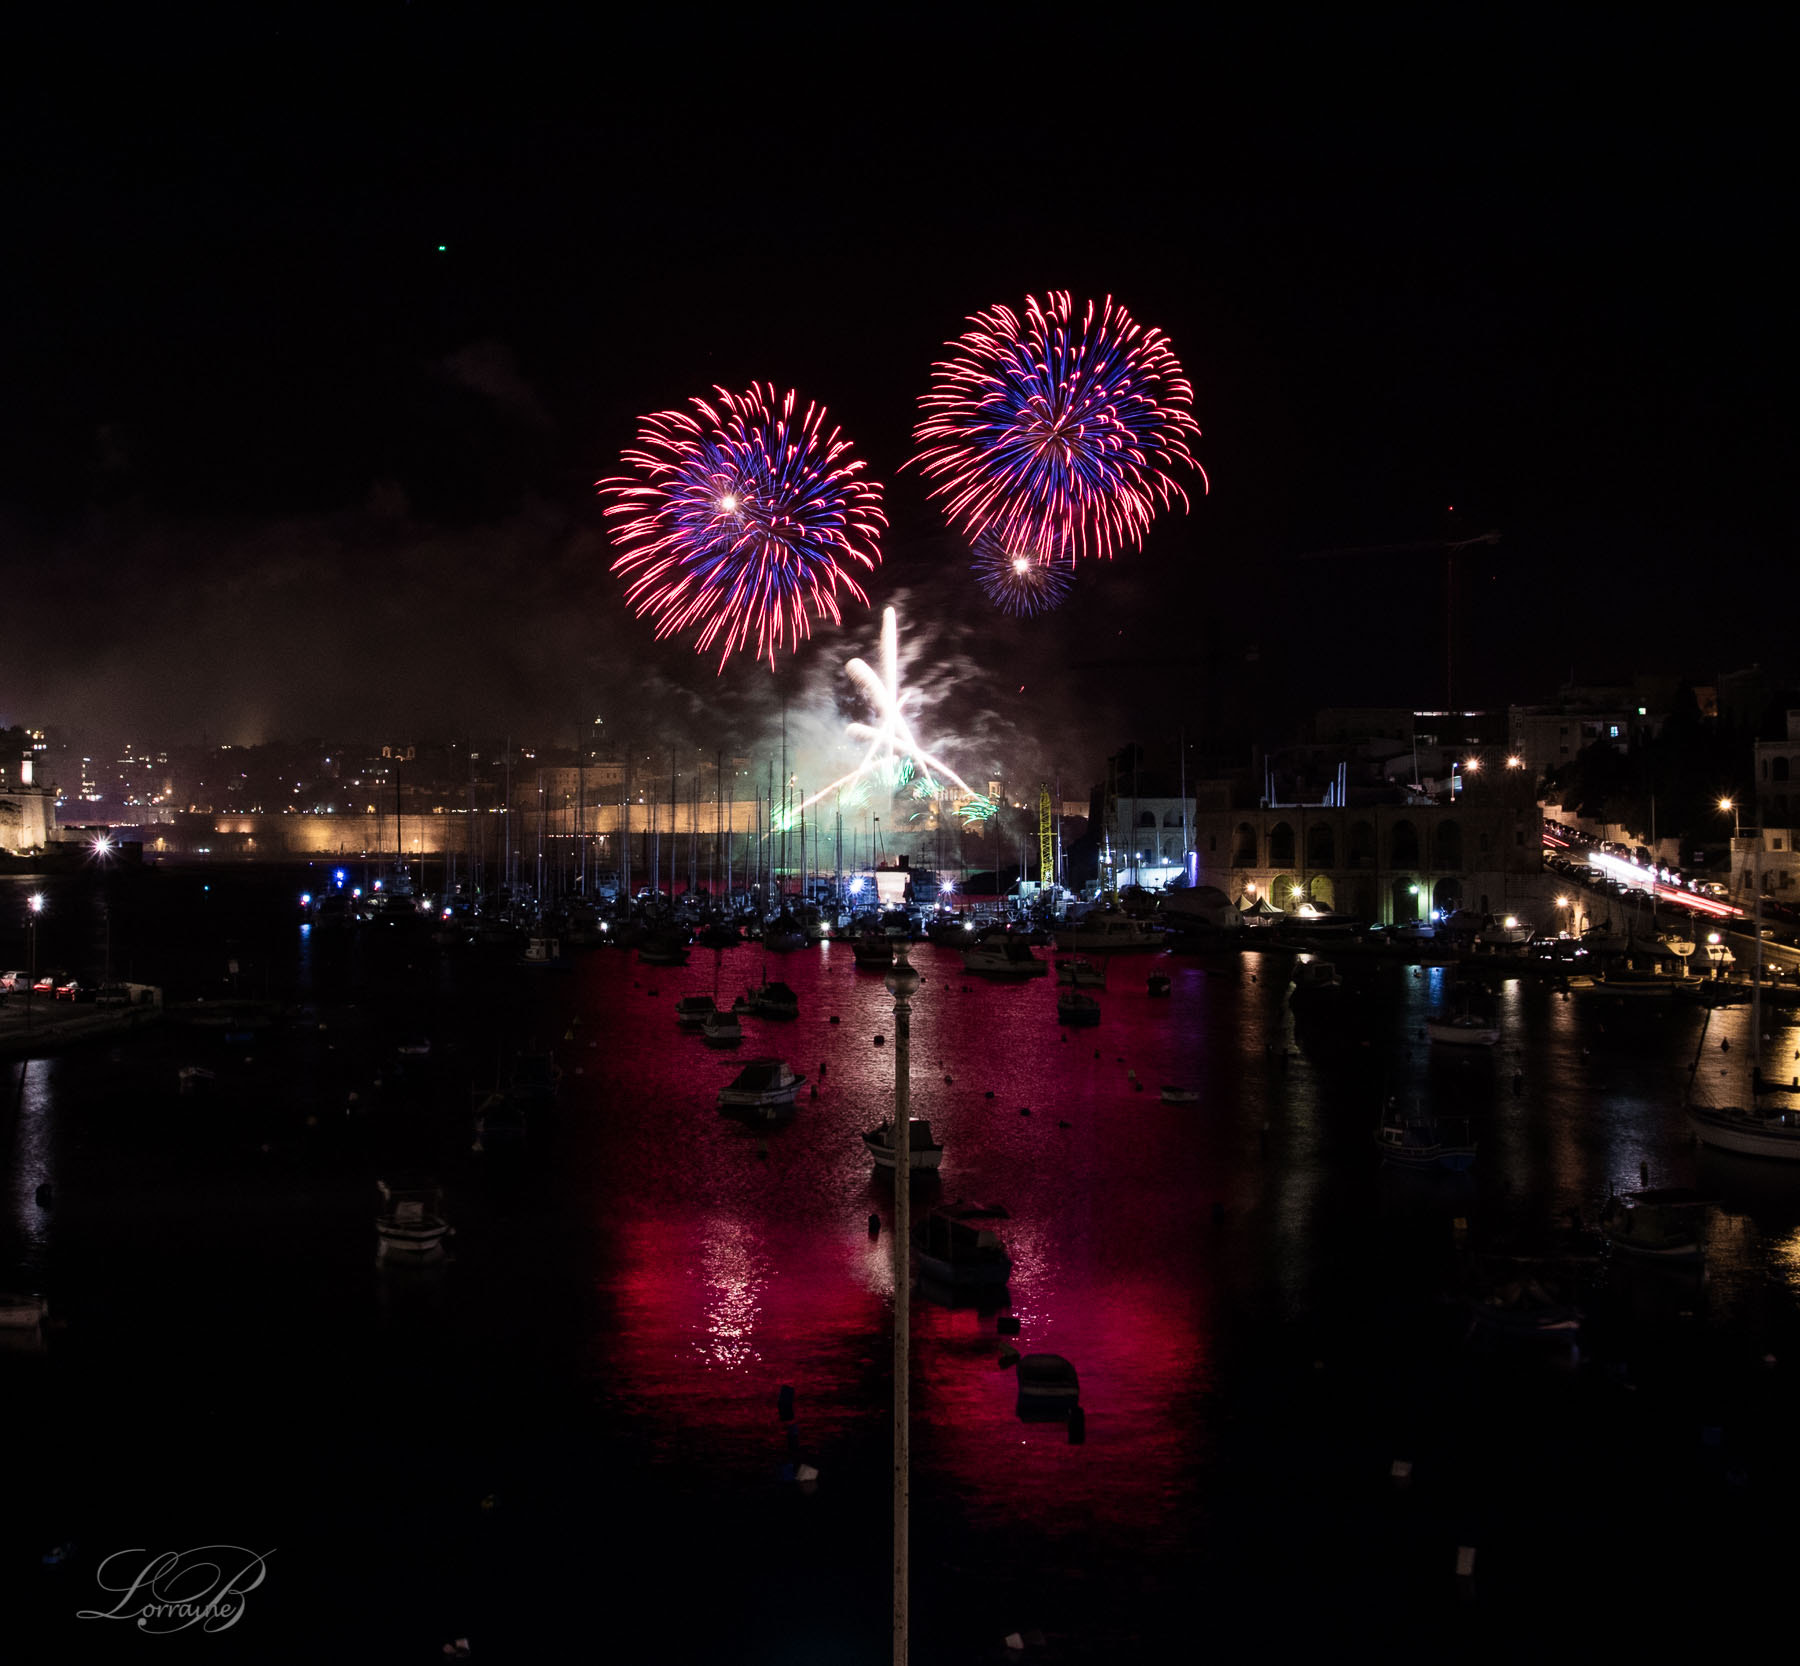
x: 273, y: 464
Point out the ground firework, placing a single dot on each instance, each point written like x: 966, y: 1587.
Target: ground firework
x: 739, y: 517
x: 1017, y: 584
x: 1057, y: 431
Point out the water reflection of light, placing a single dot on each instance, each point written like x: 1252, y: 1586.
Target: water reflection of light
x: 734, y: 1271
x: 32, y: 1159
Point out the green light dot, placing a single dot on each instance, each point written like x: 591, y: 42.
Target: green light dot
x: 443, y: 248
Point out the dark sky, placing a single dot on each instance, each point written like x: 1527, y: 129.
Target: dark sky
x: 270, y: 463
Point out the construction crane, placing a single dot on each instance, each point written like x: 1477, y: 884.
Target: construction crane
x: 1046, y: 856
x: 1449, y: 548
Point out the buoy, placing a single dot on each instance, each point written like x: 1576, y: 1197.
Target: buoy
x: 1465, y: 1561
x: 834, y: 1018
x: 1009, y: 1357
x: 1131, y: 1075
x: 1725, y: 1045
x: 1137, y: 1087
x: 1077, y: 1426
x: 653, y: 992
x: 1065, y: 1123
x: 1014, y: 1640
x: 762, y: 1148
x: 44, y: 1194
x: 874, y: 1226
x: 1401, y: 1469
x: 784, y: 1403
x: 823, y: 1067
x: 946, y: 1081
x: 569, y: 1033
x: 1065, y: 1036
x: 880, y: 1041
x: 1643, y: 1174
x: 989, y: 1094
x: 1007, y: 1324
x: 1024, y: 1110
x: 814, y: 1091
x: 1096, y: 1052
x: 806, y: 1473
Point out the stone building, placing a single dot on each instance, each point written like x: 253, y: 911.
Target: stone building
x: 1386, y: 863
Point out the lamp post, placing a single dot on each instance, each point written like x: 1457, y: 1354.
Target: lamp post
x: 1737, y: 833
x: 36, y: 905
x: 902, y: 980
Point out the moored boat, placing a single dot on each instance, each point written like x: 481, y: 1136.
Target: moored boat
x: 1073, y: 1008
x: 761, y: 1091
x: 1106, y: 933
x: 1078, y: 972
x: 1180, y: 1096
x: 958, y: 1245
x: 923, y: 1152
x: 1661, y: 1224
x: 773, y: 1000
x: 410, y: 1220
x: 1424, y: 1143
x: 1003, y: 956
x: 721, y: 1029
x: 1048, y: 1386
x: 1464, y: 1030
x: 691, y: 1011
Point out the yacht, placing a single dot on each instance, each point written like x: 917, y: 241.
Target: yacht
x: 923, y: 1152
x: 1048, y: 1387
x: 772, y: 1000
x: 1662, y: 1225
x: 1421, y: 1143
x: 1106, y: 933
x: 691, y: 1011
x: 873, y: 951
x: 1002, y: 955
x: 1505, y: 931
x: 1464, y: 1030
x: 1080, y: 973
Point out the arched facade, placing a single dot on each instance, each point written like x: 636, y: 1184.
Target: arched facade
x: 1403, y: 845
x: 1321, y: 845
x: 1281, y: 845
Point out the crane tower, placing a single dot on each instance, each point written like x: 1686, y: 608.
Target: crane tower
x: 1046, y: 857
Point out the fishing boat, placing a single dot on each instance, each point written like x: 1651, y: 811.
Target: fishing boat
x: 1424, y: 1143
x: 410, y: 1220
x: 1661, y: 1224
x: 761, y: 1091
x: 1180, y: 1096
x: 923, y: 1152
x: 1002, y: 955
x: 545, y: 954
x: 1504, y: 931
x: 958, y: 1245
x: 1048, y: 1387
x: 1463, y: 1030
x: 721, y: 1029
x: 1078, y: 972
x: 691, y: 1011
x: 664, y: 948
x: 1073, y: 1008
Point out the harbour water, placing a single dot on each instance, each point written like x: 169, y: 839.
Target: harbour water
x: 563, y: 1437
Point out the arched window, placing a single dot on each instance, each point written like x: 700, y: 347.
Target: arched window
x: 1147, y: 819
x: 1447, y: 895
x: 1281, y: 845
x: 1361, y: 852
x: 1243, y: 848
x: 1778, y: 769
x: 1172, y: 819
x: 1171, y: 850
x: 1321, y: 845
x: 1405, y: 894
x: 1403, y: 845
x: 1322, y: 892
x: 1449, y: 845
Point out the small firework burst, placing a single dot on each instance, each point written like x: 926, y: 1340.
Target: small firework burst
x: 1017, y: 583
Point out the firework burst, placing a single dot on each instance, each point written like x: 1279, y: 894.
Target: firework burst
x: 1016, y: 583
x: 1057, y: 431
x: 738, y: 518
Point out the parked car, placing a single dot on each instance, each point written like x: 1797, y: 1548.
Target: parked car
x: 15, y: 980
x: 112, y: 995
x: 46, y: 985
x: 74, y: 989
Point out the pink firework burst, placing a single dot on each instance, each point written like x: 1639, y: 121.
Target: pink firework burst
x: 742, y: 519
x: 1055, y: 431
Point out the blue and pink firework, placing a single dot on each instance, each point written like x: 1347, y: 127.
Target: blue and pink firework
x: 1058, y: 432
x: 743, y: 520
x: 1018, y: 583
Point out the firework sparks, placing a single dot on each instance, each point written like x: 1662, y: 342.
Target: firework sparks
x: 894, y: 754
x: 1057, y: 432
x: 739, y: 517
x: 1016, y: 583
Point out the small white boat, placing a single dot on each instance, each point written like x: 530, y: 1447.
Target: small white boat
x: 1505, y: 931
x: 1180, y: 1096
x: 410, y: 1220
x: 1003, y: 956
x: 691, y: 1011
x: 762, y: 1090
x: 1749, y: 1130
x: 721, y: 1029
x: 923, y: 1152
x: 1464, y: 1030
x: 1079, y: 972
x: 1048, y: 1386
x: 1073, y: 1008
x: 23, y: 1312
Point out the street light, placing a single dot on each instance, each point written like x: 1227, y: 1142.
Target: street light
x: 902, y: 980
x: 1730, y: 804
x: 36, y: 904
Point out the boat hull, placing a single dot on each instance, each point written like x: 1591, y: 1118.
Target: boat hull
x: 1747, y: 1136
